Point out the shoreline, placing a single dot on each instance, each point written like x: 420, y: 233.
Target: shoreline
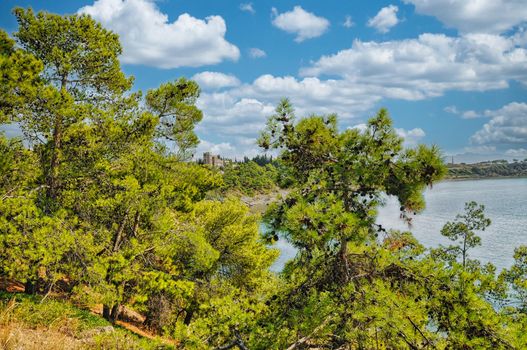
x: 259, y: 202
x: 483, y: 178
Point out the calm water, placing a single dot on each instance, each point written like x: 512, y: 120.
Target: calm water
x: 505, y: 203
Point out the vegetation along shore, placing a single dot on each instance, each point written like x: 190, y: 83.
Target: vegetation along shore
x: 112, y: 236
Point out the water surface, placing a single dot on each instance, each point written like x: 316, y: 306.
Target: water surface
x: 505, y: 203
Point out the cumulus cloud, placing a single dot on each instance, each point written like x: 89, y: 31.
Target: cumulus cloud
x: 508, y: 126
x: 149, y: 38
x: 248, y: 7
x: 428, y: 65
x: 227, y: 116
x: 385, y: 19
x: 311, y: 94
x: 222, y: 148
x: 352, y: 82
x: 305, y: 25
x: 236, y: 147
x: 481, y: 16
x: 255, y: 52
x: 215, y: 80
x: 241, y: 112
x: 470, y: 114
x: 410, y: 69
x: 517, y: 152
x: 480, y: 149
x: 361, y: 127
x: 451, y: 109
x: 411, y: 137
x: 348, y: 22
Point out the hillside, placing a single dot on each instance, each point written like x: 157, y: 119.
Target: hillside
x: 497, y: 168
x: 33, y: 322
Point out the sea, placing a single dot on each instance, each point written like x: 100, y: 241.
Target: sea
x: 505, y: 202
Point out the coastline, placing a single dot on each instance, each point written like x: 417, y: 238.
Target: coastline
x: 259, y: 202
x: 483, y: 178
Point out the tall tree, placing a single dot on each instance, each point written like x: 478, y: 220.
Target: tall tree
x: 347, y: 172
x: 81, y: 70
x: 174, y: 104
x: 342, y: 276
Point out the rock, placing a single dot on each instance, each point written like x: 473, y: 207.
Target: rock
x: 97, y: 331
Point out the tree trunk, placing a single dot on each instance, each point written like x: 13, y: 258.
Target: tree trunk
x: 190, y: 312
x: 53, y: 172
x: 343, y: 268
x: 116, y: 311
x: 119, y: 234
x: 52, y: 177
x: 106, y: 312
x: 111, y: 313
x: 30, y: 287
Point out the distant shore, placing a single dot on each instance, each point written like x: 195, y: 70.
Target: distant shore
x: 471, y: 178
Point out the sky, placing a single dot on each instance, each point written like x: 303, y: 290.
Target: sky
x: 450, y: 72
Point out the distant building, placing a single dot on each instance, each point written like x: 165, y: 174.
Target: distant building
x: 213, y: 160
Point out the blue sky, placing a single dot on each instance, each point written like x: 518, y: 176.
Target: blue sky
x: 451, y: 72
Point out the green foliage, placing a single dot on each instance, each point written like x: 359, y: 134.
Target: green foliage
x: 214, y: 254
x: 462, y: 230
x: 17, y: 167
x: 19, y: 81
x: 347, y: 286
x: 78, y: 54
x: 496, y: 168
x: 103, y: 206
x: 174, y: 104
x: 249, y: 178
x: 516, y: 276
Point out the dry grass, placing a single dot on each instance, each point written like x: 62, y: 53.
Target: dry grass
x: 18, y: 337
x: 32, y: 324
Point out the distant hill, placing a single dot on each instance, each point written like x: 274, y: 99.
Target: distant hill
x: 495, y: 168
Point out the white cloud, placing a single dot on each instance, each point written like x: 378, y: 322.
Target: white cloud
x: 242, y: 111
x: 223, y: 148
x: 385, y: 19
x: 215, y: 80
x: 353, y: 81
x: 411, y: 137
x: 482, y: 16
x: 480, y: 149
x: 149, y: 38
x: 248, y: 7
x: 227, y: 116
x: 305, y: 25
x: 255, y: 52
x: 428, y: 65
x: 361, y: 127
x: 517, y: 153
x: 470, y: 115
x: 236, y: 147
x: 348, y: 22
x: 508, y: 126
x: 451, y: 109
